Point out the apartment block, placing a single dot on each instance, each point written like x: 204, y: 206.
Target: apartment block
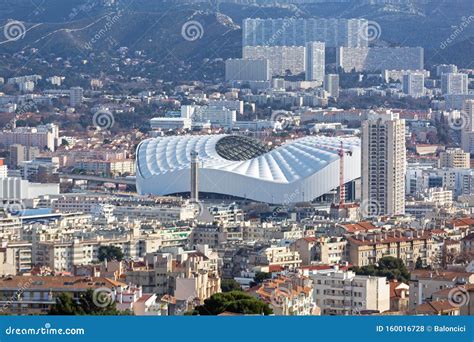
x: 338, y: 292
x: 409, y: 245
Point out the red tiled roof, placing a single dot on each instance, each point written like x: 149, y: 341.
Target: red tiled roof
x: 360, y: 226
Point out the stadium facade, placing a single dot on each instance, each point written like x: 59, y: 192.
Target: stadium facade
x: 234, y: 165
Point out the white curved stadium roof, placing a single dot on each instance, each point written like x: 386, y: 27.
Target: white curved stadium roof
x: 299, y: 170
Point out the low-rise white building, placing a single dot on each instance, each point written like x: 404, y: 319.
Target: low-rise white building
x: 338, y: 292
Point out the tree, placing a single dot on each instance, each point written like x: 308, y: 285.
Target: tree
x: 65, y: 305
x: 419, y: 264
x: 110, y: 253
x: 234, y: 301
x: 89, y: 303
x: 261, y: 276
x: 390, y: 267
x: 228, y: 285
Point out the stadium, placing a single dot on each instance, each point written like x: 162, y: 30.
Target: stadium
x: 233, y: 165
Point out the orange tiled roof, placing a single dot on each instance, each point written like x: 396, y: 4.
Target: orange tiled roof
x: 360, y: 226
x: 435, y: 307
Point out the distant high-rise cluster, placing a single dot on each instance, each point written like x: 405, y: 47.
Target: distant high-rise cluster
x: 299, y: 31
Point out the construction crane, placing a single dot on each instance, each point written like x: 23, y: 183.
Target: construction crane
x: 341, y: 153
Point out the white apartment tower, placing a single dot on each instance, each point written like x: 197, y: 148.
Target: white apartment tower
x: 331, y: 85
x: 315, y: 61
x: 414, y: 84
x: 467, y: 134
x: 454, y: 84
x: 76, y: 95
x: 383, y: 165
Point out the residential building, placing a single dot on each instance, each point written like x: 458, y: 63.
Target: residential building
x: 325, y: 250
x: 467, y: 133
x: 315, y: 62
x: 35, y: 295
x: 365, y: 249
x: 380, y: 58
x: 414, y: 84
x: 281, y: 256
x: 446, y: 69
x: 76, y: 96
x: 383, y: 165
x: 454, y: 158
x: 454, y: 84
x: 338, y: 292
x: 42, y: 136
x: 20, y: 153
x: 190, y: 276
x: 107, y: 167
x: 425, y: 283
x: 331, y: 85
x: 247, y: 69
x: 288, y: 295
x: 282, y: 59
x: 300, y: 31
